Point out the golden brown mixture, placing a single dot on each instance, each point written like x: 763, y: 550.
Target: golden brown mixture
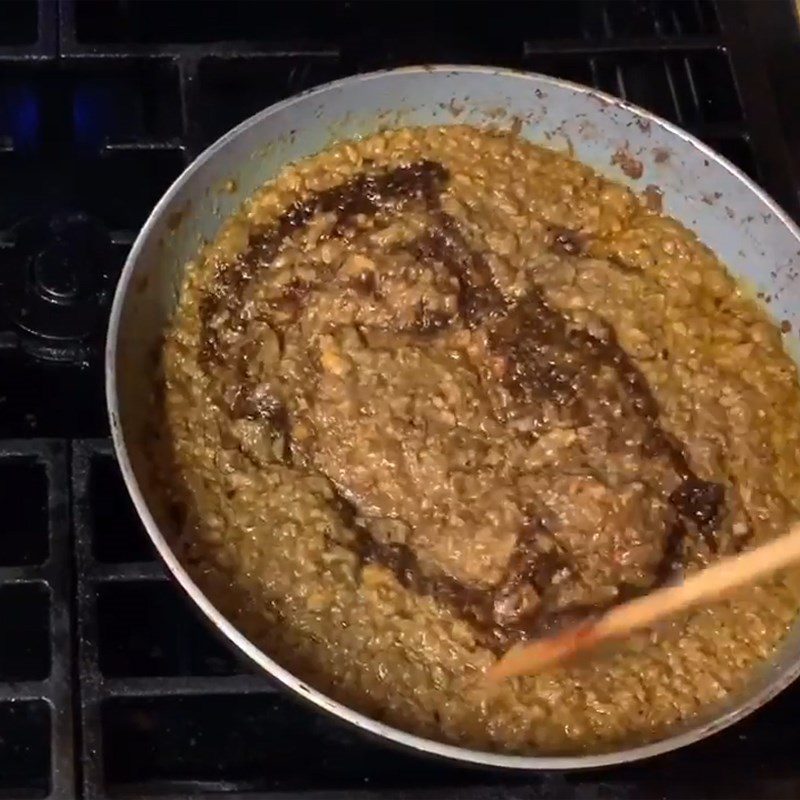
x: 440, y: 391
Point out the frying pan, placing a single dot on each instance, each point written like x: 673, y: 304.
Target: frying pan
x: 730, y: 214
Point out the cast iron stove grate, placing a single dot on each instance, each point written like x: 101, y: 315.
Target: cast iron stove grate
x: 109, y: 685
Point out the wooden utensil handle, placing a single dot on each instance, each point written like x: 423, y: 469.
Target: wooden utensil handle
x: 709, y: 584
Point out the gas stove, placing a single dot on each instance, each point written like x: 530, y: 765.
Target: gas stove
x: 110, y: 686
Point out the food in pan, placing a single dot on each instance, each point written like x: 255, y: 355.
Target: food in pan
x: 440, y: 391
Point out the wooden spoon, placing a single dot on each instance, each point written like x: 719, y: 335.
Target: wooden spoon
x: 701, y: 587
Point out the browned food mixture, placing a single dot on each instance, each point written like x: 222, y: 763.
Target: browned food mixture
x: 440, y: 391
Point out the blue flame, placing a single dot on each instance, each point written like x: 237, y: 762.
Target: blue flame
x: 92, y: 116
x: 23, y: 116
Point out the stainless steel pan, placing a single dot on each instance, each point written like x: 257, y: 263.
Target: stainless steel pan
x: 749, y: 232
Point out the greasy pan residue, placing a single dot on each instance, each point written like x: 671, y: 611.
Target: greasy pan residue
x: 441, y: 391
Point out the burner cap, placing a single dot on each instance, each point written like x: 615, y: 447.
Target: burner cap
x: 59, y: 281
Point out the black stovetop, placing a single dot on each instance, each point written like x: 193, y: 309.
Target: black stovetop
x: 109, y: 685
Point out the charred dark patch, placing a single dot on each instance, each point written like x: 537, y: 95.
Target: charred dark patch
x: 443, y: 243
x: 660, y: 441
x: 541, y: 364
x: 471, y: 604
x: 672, y: 558
x: 365, y: 194
x: 259, y: 404
x: 499, y: 615
x: 521, y: 604
x: 547, y: 358
x: 515, y: 610
x: 700, y: 503
x: 292, y: 299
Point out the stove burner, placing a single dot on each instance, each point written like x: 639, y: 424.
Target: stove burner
x: 61, y: 285
x: 53, y: 275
